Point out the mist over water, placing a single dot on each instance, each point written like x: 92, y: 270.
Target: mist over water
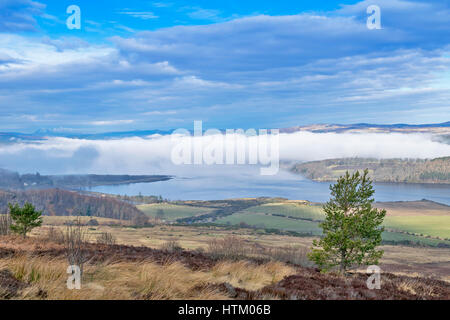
x: 152, y: 155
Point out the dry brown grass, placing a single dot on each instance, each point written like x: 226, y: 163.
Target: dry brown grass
x: 235, y: 248
x: 45, y: 278
x: 62, y: 220
x: 35, y: 268
x: 424, y: 262
x: 416, y: 287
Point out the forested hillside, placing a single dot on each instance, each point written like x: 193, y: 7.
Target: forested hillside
x: 13, y: 180
x: 381, y: 170
x: 56, y: 202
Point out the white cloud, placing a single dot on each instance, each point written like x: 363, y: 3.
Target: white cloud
x: 111, y: 122
x: 267, y: 71
x: 160, y: 113
x: 152, y: 155
x: 145, y: 15
x: 34, y: 54
x: 204, y: 14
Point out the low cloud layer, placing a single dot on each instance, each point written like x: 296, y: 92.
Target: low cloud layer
x: 152, y: 155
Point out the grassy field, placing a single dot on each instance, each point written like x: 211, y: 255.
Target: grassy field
x: 435, y: 226
x: 172, y: 212
x: 418, y: 217
x: 60, y: 220
x: 415, y: 217
x: 425, y: 218
x: 398, y: 237
x: 272, y: 222
x: 289, y: 208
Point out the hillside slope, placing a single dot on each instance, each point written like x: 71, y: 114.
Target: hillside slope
x: 186, y: 275
x: 56, y: 202
x: 380, y: 170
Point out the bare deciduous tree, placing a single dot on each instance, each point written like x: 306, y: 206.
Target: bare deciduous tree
x: 75, y: 239
x: 5, y: 223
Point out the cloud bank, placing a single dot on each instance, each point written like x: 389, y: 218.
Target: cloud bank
x: 152, y: 155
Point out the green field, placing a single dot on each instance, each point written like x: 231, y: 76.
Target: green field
x: 435, y: 226
x: 275, y: 215
x: 396, y: 236
x: 172, y: 212
x: 264, y: 216
x: 272, y: 222
x: 306, y: 211
x: 302, y: 226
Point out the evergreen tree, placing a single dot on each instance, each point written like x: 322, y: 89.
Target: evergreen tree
x: 352, y: 227
x: 24, y: 219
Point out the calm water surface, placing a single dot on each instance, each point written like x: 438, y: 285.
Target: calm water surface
x: 213, y: 185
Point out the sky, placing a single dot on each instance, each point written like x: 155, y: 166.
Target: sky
x: 141, y: 65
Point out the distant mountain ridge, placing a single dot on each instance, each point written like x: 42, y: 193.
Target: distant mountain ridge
x: 436, y: 128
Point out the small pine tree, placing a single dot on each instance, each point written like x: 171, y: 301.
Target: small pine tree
x: 352, y: 227
x: 24, y: 219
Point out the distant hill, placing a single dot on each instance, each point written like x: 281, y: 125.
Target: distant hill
x: 384, y: 170
x: 56, y: 202
x: 436, y: 128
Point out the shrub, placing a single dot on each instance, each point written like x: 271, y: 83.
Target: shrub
x: 289, y: 254
x: 54, y: 235
x: 92, y: 223
x: 171, y: 246
x: 230, y: 247
x: 75, y: 239
x: 106, y: 238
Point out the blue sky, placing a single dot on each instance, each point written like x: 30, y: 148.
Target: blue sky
x: 138, y: 65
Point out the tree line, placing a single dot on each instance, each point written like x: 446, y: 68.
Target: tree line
x: 57, y: 202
